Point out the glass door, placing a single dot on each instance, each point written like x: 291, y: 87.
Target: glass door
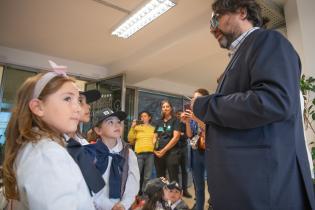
x: 113, y: 96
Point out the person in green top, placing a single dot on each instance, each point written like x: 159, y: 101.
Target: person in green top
x: 141, y: 136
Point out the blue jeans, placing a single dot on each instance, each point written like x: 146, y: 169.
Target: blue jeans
x: 198, y: 172
x: 145, y: 163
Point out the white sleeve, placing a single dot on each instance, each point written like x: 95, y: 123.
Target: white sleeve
x: 133, y: 181
x: 49, y: 179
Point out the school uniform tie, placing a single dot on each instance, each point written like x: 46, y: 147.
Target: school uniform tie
x: 91, y: 175
x: 116, y: 169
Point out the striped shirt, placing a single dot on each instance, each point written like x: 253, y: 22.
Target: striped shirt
x: 142, y: 137
x: 237, y: 42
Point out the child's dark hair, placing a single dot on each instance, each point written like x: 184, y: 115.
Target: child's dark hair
x: 150, y: 203
x: 146, y: 112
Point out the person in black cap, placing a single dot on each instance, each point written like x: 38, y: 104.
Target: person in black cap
x: 174, y: 193
x: 86, y: 98
x: 115, y: 161
x: 154, y: 190
x: 75, y: 142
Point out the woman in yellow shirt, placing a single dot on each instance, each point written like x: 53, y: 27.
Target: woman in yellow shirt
x: 141, y: 135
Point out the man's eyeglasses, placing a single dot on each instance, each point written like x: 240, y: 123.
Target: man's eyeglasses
x: 214, y: 21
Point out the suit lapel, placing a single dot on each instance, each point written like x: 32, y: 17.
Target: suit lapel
x: 234, y: 59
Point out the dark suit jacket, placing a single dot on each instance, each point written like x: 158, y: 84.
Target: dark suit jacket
x: 256, y: 154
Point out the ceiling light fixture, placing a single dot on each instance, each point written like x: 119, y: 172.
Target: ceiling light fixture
x: 142, y: 17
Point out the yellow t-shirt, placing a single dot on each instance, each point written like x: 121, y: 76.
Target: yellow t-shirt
x: 142, y: 137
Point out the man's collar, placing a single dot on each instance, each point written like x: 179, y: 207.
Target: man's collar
x: 240, y: 39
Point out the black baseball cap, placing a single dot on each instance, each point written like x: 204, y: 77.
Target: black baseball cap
x: 106, y: 113
x: 154, y: 185
x: 91, y: 95
x: 174, y: 185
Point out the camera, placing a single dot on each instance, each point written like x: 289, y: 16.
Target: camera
x: 139, y: 122
x: 187, y: 106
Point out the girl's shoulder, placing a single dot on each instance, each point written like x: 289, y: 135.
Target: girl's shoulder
x: 45, y: 150
x: 43, y: 146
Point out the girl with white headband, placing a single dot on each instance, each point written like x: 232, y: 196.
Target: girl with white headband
x: 37, y: 169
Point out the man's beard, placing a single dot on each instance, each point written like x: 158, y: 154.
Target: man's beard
x: 227, y: 39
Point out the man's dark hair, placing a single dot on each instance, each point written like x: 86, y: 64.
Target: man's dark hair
x: 252, y: 7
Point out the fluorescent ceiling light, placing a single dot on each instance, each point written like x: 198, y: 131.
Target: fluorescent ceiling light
x: 142, y: 17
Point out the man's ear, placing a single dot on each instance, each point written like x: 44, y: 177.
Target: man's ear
x: 243, y: 13
x: 36, y: 107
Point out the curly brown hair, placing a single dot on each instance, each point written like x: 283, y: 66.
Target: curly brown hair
x: 252, y: 7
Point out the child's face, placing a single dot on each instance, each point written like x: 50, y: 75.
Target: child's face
x: 85, y: 114
x: 145, y: 117
x: 61, y: 110
x: 110, y: 128
x: 172, y: 195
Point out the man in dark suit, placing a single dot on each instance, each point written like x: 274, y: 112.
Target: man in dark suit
x: 255, y: 150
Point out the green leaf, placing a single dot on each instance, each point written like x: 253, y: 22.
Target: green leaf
x: 313, y: 116
x: 309, y: 108
x: 311, y: 79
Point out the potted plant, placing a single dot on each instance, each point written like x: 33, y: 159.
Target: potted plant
x: 308, y: 91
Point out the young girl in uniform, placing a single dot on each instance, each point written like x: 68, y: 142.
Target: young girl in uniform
x: 38, y: 171
x: 116, y: 162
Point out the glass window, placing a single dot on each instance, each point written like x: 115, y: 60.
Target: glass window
x: 150, y: 101
x: 111, y: 91
x: 11, y: 81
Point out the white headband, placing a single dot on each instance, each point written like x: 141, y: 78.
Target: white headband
x: 43, y: 81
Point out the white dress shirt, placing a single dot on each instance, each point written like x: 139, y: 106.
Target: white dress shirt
x: 49, y: 179
x: 79, y: 139
x: 102, y: 200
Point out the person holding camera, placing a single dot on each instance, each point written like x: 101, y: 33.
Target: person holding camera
x: 167, y: 133
x: 195, y: 130
x: 141, y: 136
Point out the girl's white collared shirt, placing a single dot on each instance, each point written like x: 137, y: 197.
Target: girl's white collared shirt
x: 49, y: 179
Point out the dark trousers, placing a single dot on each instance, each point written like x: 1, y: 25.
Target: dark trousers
x: 170, y: 163
x: 183, y: 160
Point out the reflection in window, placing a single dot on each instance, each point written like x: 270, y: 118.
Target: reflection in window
x: 150, y: 101
x: 12, y: 80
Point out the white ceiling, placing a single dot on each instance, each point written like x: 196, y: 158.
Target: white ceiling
x: 177, y: 47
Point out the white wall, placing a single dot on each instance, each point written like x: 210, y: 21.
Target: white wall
x: 299, y: 15
x: 40, y: 61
